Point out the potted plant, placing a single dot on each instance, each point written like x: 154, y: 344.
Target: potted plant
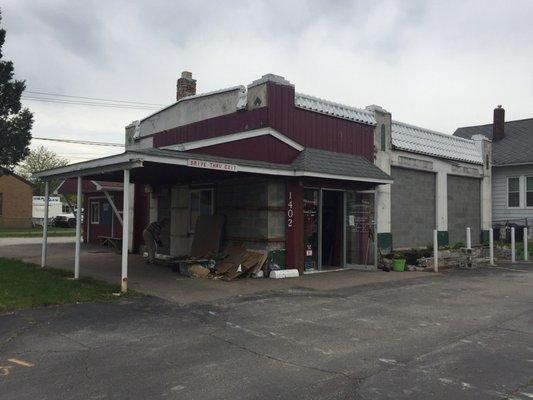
x: 398, y: 262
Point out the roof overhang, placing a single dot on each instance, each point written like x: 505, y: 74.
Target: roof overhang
x: 133, y: 159
x: 104, y: 165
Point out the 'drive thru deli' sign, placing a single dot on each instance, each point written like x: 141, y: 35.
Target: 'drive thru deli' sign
x: 211, y: 165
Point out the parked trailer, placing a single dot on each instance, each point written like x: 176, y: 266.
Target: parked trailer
x: 55, y: 208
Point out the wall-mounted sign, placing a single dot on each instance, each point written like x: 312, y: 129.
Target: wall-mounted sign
x: 212, y: 165
x: 290, y: 211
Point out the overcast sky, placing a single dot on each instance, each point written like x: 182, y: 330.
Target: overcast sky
x: 437, y: 64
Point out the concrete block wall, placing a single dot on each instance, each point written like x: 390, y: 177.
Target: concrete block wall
x: 464, y: 209
x: 180, y: 237
x: 163, y: 211
x: 413, y: 207
x: 276, y: 214
x: 244, y: 202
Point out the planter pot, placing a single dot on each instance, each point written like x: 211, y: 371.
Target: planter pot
x: 398, y: 265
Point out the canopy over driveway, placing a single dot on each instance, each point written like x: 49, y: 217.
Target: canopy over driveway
x: 157, y: 167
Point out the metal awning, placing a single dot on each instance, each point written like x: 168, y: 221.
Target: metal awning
x: 309, y: 163
x: 149, y: 165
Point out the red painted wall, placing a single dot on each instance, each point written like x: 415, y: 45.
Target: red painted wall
x: 308, y: 128
x: 294, y: 225
x: 95, y: 230
x: 225, y: 124
x: 316, y: 130
x: 262, y: 148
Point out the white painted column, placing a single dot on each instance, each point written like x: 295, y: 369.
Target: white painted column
x: 526, y: 255
x: 45, y: 223
x: 491, y: 246
x: 513, y: 253
x: 125, y: 231
x: 442, y: 201
x: 435, y: 250
x: 468, y: 239
x: 78, y: 230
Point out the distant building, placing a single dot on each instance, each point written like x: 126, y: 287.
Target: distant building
x: 512, y: 167
x: 15, y: 200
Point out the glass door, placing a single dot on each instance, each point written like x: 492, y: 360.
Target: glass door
x: 311, y: 228
x: 360, y: 228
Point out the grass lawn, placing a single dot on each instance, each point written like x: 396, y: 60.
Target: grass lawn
x: 36, y: 232
x: 24, y: 285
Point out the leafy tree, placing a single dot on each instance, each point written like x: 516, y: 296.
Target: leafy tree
x: 38, y: 160
x: 15, y: 122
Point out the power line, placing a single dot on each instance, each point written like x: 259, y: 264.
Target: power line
x: 88, y: 142
x: 94, y: 98
x: 87, y: 103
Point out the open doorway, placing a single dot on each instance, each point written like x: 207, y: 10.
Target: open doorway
x: 332, y: 228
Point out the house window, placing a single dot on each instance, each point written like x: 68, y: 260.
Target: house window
x: 529, y: 191
x: 95, y: 212
x: 1, y: 204
x: 201, y: 203
x: 513, y: 192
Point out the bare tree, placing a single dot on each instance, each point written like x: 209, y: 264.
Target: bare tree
x: 38, y: 160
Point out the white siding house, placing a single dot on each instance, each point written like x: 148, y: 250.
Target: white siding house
x: 512, y: 168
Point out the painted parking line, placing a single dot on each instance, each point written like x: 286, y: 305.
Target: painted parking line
x: 21, y: 362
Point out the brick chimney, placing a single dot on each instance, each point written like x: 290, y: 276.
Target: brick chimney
x: 186, y: 86
x: 498, y: 126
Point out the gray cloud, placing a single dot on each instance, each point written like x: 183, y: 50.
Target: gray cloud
x: 432, y: 63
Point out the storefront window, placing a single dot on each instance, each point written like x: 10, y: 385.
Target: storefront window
x: 359, y: 228
x: 311, y: 209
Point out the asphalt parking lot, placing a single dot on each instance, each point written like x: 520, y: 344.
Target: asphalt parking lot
x: 459, y: 335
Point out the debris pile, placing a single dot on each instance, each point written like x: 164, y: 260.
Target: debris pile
x: 237, y: 262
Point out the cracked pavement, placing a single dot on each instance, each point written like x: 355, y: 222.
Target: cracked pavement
x: 459, y: 335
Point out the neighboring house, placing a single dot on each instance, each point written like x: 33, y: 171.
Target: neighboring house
x: 512, y: 167
x: 15, y: 200
x: 296, y: 175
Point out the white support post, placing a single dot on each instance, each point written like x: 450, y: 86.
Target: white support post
x: 526, y: 255
x: 513, y: 252
x: 491, y: 246
x: 125, y: 231
x: 468, y: 239
x: 435, y: 251
x: 78, y: 230
x: 113, y: 206
x: 45, y: 223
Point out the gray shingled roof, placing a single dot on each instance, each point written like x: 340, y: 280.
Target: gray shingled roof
x: 329, y: 162
x: 309, y: 160
x: 515, y: 148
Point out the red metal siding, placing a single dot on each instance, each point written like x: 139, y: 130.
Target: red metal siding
x: 218, y: 126
x: 308, y: 128
x: 316, y: 130
x: 96, y: 230
x: 70, y: 186
x: 261, y: 148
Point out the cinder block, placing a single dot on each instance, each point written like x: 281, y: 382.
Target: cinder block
x: 284, y: 273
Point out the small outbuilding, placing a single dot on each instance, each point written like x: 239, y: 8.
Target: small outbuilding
x: 16, y: 194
